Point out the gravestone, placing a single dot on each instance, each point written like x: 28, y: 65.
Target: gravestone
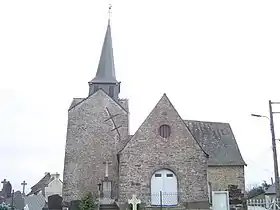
x: 18, y: 200
x: 134, y: 202
x: 74, y: 205
x: 2, y: 199
x: 6, y: 189
x: 55, y: 202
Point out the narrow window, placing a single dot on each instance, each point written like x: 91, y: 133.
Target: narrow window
x: 111, y: 91
x: 157, y: 175
x: 169, y: 175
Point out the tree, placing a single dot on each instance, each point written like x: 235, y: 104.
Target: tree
x: 88, y: 202
x: 265, y: 185
x: 258, y: 190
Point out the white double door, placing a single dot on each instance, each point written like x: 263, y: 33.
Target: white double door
x: 164, y: 188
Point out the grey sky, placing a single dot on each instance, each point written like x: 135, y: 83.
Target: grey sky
x: 215, y: 60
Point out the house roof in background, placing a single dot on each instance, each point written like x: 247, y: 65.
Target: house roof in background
x: 271, y: 190
x: 41, y: 184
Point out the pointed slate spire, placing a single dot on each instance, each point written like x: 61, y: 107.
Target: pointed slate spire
x: 106, y: 67
x: 105, y: 77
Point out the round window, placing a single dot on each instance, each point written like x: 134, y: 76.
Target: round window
x: 164, y: 131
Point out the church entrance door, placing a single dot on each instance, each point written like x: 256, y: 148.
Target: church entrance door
x: 164, y: 188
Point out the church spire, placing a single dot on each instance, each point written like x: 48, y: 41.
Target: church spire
x: 105, y: 76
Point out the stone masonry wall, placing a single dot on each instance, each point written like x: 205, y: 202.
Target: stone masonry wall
x: 148, y: 152
x: 222, y: 176
x: 90, y: 142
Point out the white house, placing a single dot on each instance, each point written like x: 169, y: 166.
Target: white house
x: 49, y: 185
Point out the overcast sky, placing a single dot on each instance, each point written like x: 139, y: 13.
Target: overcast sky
x: 215, y: 60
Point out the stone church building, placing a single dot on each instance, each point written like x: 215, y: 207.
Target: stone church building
x: 178, y: 159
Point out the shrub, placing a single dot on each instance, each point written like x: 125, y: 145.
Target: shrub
x: 88, y: 202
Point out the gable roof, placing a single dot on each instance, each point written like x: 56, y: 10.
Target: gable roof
x: 41, y: 184
x: 218, y: 141
x: 77, y: 101
x: 164, y: 97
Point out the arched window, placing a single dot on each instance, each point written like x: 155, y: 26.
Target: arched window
x: 164, y: 131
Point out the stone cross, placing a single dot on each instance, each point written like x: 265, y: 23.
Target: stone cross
x: 134, y: 201
x: 23, y: 186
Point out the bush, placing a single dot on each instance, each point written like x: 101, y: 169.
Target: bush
x: 5, y: 207
x: 88, y: 202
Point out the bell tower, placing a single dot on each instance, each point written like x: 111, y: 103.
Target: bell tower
x: 105, y: 77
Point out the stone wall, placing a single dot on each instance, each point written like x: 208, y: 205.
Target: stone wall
x: 148, y: 152
x: 222, y: 176
x: 90, y: 142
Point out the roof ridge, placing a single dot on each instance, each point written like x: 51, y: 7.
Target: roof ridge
x: 84, y: 99
x: 203, y: 121
x: 164, y: 95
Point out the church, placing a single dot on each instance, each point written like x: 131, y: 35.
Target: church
x: 168, y: 161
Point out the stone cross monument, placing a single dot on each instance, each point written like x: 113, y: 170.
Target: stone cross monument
x: 23, y: 187
x: 134, y: 201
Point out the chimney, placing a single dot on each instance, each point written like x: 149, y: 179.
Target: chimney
x: 56, y: 175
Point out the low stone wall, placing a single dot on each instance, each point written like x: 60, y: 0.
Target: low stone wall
x: 198, y: 205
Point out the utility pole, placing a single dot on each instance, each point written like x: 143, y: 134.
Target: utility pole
x: 276, y: 172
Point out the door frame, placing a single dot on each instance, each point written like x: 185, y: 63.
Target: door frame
x: 177, y: 182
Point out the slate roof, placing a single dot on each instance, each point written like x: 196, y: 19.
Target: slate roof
x: 106, y: 67
x: 218, y: 141
x: 41, y: 184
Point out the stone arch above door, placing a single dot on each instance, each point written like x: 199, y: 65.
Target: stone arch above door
x: 164, y: 188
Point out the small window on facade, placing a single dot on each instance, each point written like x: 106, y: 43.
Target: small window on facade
x: 157, y: 175
x: 169, y: 175
x: 164, y: 131
x: 111, y: 91
x: 96, y: 87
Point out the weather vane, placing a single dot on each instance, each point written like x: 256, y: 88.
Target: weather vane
x: 110, y: 11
